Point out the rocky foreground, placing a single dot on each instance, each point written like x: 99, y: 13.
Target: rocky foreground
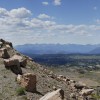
x: 23, y: 79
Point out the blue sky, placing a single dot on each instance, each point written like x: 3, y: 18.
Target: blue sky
x: 50, y: 21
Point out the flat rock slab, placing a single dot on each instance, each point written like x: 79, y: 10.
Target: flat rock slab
x: 55, y: 95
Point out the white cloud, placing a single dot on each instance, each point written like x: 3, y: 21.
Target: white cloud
x: 20, y: 13
x: 15, y: 13
x: 19, y: 26
x: 3, y: 12
x: 43, y: 16
x: 98, y: 21
x: 37, y: 23
x: 57, y: 2
x: 45, y: 3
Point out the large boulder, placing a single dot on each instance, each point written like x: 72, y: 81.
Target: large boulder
x: 79, y: 85
x: 13, y: 64
x: 4, y: 53
x: 22, y: 61
x: 86, y: 92
x: 28, y: 82
x: 55, y: 95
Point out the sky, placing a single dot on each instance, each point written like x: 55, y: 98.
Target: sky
x: 50, y: 21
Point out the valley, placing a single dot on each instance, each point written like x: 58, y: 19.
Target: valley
x: 80, y: 67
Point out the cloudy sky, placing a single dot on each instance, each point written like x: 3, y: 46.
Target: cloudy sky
x: 50, y: 21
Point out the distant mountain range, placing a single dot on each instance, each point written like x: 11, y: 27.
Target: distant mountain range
x: 58, y: 49
x: 95, y: 51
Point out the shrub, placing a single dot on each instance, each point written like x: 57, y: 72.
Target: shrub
x: 20, y: 91
x: 96, y: 96
x: 81, y: 71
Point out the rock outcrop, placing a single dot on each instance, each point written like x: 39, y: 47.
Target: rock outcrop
x: 28, y: 81
x: 86, y: 92
x: 55, y: 95
x: 5, y: 43
x: 21, y: 60
x: 3, y: 53
x: 13, y: 64
x: 79, y: 85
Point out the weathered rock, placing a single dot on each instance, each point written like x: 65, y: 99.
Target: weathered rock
x: 72, y: 85
x: 54, y: 88
x: 7, y: 46
x: 60, y: 78
x: 13, y: 64
x: 71, y: 82
x: 6, y: 43
x: 65, y: 80
x: 28, y: 81
x: 1, y: 44
x: 86, y: 92
x: 55, y: 95
x: 52, y: 75
x: 79, y: 85
x: 4, y: 53
x: 19, y: 78
x: 51, y: 72
x: 73, y: 95
x: 21, y: 60
x: 68, y: 79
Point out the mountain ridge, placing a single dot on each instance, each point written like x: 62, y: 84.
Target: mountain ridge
x: 56, y: 48
x: 95, y: 51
